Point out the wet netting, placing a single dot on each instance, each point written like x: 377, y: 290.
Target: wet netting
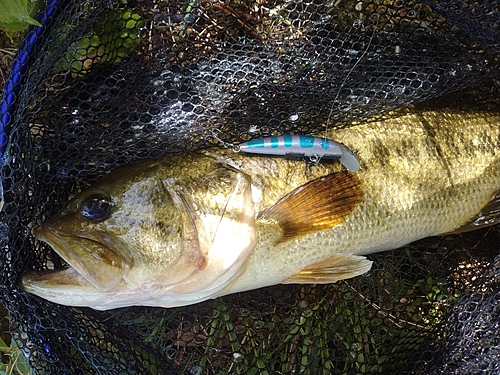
x: 106, y: 83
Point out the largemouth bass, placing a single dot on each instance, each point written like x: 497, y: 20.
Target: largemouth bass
x: 191, y: 227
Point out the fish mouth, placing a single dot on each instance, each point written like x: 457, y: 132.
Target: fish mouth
x: 92, y: 260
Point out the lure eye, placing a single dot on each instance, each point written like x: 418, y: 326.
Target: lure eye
x: 96, y: 206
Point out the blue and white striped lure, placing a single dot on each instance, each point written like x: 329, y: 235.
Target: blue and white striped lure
x: 314, y: 148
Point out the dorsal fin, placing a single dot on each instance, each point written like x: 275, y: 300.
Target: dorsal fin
x: 317, y: 205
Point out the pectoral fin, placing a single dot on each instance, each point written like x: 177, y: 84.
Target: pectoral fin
x: 320, y: 204
x: 332, y: 270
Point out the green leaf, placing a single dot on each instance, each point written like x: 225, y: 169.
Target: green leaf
x: 15, y: 14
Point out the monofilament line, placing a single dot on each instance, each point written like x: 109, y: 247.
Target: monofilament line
x: 348, y: 74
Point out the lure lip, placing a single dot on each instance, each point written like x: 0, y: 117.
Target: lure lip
x: 349, y: 159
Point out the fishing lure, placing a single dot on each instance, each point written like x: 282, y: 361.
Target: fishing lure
x: 314, y: 148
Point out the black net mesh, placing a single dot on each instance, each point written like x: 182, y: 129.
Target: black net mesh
x: 106, y: 83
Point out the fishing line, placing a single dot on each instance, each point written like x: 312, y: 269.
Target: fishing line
x: 348, y: 74
x: 228, y: 145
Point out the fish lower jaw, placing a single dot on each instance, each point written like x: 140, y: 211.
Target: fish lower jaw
x: 68, y: 287
x: 56, y: 278
x: 57, y: 286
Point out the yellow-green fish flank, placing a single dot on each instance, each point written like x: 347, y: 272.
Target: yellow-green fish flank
x: 196, y: 226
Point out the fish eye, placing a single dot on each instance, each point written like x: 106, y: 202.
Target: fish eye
x: 96, y: 206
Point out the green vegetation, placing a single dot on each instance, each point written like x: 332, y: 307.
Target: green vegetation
x: 13, y: 361
x: 331, y: 329
x: 115, y: 36
x: 16, y: 15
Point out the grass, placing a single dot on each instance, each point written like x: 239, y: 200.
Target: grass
x: 13, y: 361
x: 340, y: 331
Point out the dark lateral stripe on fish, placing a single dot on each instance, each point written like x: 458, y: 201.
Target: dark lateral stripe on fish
x: 317, y: 205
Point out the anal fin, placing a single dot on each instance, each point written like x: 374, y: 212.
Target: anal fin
x: 317, y: 205
x: 332, y: 270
